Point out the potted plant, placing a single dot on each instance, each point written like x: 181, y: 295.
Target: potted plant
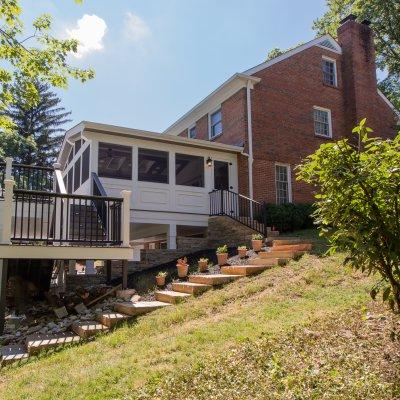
x: 257, y: 241
x: 222, y: 254
x: 183, y: 267
x: 242, y: 250
x: 203, y: 264
x: 160, y: 278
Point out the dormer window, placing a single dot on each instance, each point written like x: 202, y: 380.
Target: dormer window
x: 215, y: 122
x: 329, y: 71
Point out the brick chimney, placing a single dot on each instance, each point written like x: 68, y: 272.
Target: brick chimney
x: 359, y: 72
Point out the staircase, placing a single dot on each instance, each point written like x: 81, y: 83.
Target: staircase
x: 281, y: 251
x: 85, y: 224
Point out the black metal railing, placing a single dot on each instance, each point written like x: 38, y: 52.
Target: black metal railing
x: 56, y: 218
x: 99, y: 205
x: 240, y: 208
x: 32, y: 177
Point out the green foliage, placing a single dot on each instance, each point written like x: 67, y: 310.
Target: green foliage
x: 385, y: 21
x: 288, y: 217
x: 31, y: 57
x: 276, y: 52
x: 257, y: 236
x: 222, y: 249
x: 41, y: 125
x: 358, y: 204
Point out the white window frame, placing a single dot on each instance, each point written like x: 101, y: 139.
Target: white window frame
x: 335, y: 69
x: 289, y: 172
x: 189, y: 129
x: 218, y: 109
x: 329, y: 122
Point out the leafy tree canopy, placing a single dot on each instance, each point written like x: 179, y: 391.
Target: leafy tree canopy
x: 358, y: 204
x: 29, y: 56
x: 384, y: 16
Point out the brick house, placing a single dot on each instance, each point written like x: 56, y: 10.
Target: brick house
x: 283, y: 109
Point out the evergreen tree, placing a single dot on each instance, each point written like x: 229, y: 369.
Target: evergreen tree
x: 41, y: 123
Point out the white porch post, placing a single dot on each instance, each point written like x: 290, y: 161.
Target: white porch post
x: 7, y: 210
x: 172, y: 237
x: 126, y: 217
x: 8, y: 168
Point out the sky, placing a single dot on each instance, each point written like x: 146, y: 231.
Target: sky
x: 156, y: 59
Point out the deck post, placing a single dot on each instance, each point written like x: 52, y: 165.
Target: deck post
x: 3, y: 289
x: 124, y: 274
x: 8, y: 168
x: 172, y: 236
x: 7, y: 210
x: 126, y: 217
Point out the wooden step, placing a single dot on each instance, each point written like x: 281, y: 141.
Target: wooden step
x: 279, y: 254
x: 86, y: 329
x: 292, y: 247
x: 266, y: 261
x: 36, y: 343
x: 287, y: 240
x: 139, y: 308
x: 169, y: 296
x: 213, y: 279
x: 111, y: 319
x: 243, y: 270
x: 190, y: 287
x: 13, y: 353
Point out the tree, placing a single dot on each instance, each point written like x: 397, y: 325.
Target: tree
x: 28, y: 58
x: 358, y: 204
x: 41, y: 123
x: 384, y: 16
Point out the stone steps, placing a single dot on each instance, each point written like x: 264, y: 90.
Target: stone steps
x: 112, y: 319
x: 139, y: 308
x: 243, y: 270
x: 37, y: 343
x: 87, y: 329
x: 13, y: 353
x: 169, y: 296
x: 190, y: 287
x: 213, y: 279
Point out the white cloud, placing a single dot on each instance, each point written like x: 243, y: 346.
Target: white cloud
x: 89, y: 31
x: 135, y: 28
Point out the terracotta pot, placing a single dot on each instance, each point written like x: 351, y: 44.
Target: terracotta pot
x: 257, y: 244
x: 160, y: 280
x: 203, y: 266
x: 222, y: 258
x: 242, y: 253
x: 182, y: 270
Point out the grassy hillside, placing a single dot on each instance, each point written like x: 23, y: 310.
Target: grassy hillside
x: 301, y: 331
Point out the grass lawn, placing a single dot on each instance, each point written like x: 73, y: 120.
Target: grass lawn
x: 307, y: 330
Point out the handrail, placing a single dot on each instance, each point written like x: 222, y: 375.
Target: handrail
x: 248, y: 212
x: 98, y: 185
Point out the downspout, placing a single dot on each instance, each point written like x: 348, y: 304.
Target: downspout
x: 249, y: 140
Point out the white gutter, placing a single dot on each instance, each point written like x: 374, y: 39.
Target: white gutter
x: 250, y: 139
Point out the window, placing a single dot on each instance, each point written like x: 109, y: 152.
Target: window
x: 115, y: 161
x: 78, y: 145
x: 85, y: 164
x: 153, y: 166
x: 282, y: 176
x: 71, y: 155
x: 189, y: 170
x: 215, y: 124
x: 77, y: 174
x: 70, y: 177
x: 192, y: 132
x: 329, y: 71
x: 322, y: 122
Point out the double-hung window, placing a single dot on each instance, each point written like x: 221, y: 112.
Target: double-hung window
x: 329, y: 72
x: 283, y: 184
x: 215, y: 124
x: 322, y: 122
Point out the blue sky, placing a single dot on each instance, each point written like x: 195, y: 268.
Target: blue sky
x: 155, y: 59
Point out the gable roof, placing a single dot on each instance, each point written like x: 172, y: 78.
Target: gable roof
x: 327, y: 42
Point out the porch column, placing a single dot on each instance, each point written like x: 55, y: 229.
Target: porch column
x: 172, y: 237
x: 89, y: 268
x: 3, y: 289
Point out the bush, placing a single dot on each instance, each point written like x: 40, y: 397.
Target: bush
x: 288, y: 217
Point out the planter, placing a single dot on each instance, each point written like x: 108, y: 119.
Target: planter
x: 242, y: 253
x: 257, y: 244
x: 160, y: 280
x: 222, y: 258
x: 183, y: 270
x: 203, y: 266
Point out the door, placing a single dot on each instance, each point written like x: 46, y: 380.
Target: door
x: 221, y: 175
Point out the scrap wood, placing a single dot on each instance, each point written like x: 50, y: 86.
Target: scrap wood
x: 103, y: 296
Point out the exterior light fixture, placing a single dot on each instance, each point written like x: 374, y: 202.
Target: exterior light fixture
x: 209, y: 162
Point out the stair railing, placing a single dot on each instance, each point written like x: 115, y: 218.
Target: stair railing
x: 242, y: 209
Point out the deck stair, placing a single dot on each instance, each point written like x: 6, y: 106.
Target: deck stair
x: 111, y: 319
x: 170, y: 296
x: 86, y: 329
x: 139, y: 308
x: 243, y: 270
x: 190, y: 287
